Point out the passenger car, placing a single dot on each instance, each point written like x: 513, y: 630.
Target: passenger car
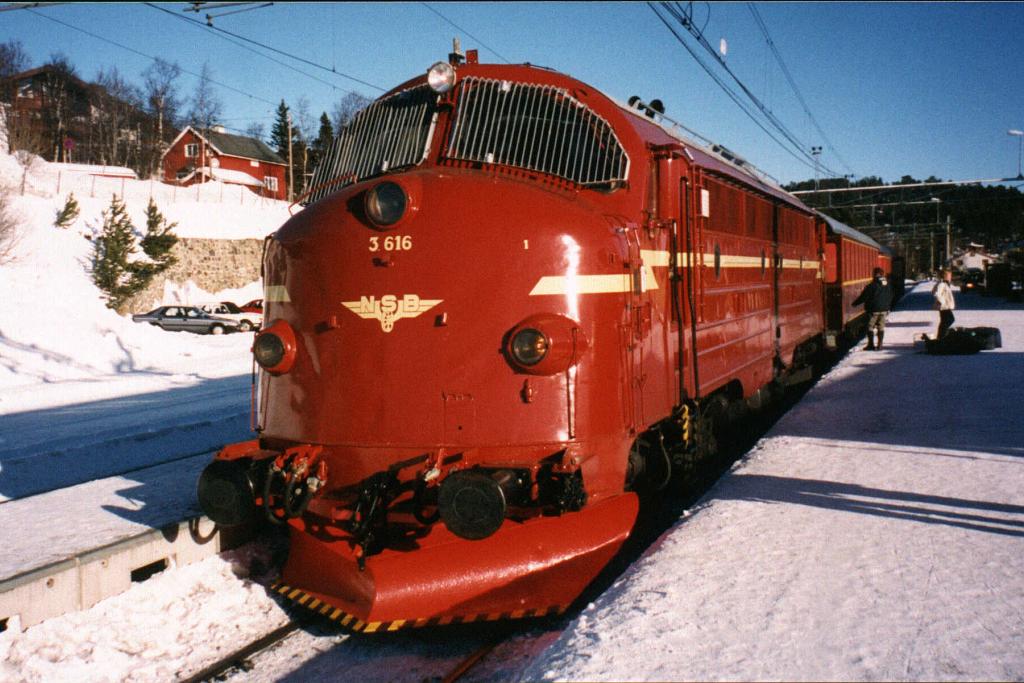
x: 187, y: 318
x: 225, y: 309
x: 254, y: 306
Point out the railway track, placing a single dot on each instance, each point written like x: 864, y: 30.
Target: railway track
x: 238, y: 659
x: 371, y: 656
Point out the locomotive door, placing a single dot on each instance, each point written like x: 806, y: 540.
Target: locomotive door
x: 638, y: 324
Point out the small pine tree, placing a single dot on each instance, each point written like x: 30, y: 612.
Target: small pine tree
x: 279, y: 132
x: 159, y: 240
x: 111, y: 270
x: 67, y: 215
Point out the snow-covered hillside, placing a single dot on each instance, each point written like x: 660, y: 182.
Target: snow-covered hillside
x: 54, y: 325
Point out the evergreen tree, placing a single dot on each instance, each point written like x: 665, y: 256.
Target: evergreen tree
x: 159, y: 241
x: 279, y: 133
x: 323, y: 142
x: 111, y: 270
x: 67, y: 215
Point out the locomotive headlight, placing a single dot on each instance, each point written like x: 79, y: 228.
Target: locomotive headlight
x: 545, y: 344
x: 386, y: 203
x: 274, y: 348
x: 268, y: 350
x: 441, y: 77
x: 529, y: 346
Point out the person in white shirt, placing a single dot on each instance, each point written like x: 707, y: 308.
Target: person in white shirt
x: 944, y: 302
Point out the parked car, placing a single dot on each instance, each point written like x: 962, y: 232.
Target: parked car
x: 254, y: 306
x: 187, y: 318
x: 246, y: 320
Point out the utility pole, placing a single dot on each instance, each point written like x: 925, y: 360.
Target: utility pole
x: 931, y: 249
x: 816, y: 151
x: 291, y: 168
x: 949, y: 239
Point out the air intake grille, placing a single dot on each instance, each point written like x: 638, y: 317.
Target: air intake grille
x: 390, y: 133
x: 536, y: 127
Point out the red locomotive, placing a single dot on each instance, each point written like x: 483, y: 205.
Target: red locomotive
x: 509, y: 304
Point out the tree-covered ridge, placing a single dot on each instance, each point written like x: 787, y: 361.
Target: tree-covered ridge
x: 992, y: 215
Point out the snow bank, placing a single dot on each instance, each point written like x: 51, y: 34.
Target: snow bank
x: 57, y: 338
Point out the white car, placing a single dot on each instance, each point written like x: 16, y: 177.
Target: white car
x: 226, y: 309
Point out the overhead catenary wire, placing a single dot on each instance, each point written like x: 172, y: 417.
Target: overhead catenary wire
x: 772, y: 119
x: 795, y: 147
x: 728, y: 91
x: 150, y: 57
x: 280, y: 52
x: 200, y: 25
x: 459, y: 28
x: 792, y: 84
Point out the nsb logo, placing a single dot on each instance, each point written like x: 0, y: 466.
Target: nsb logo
x: 389, y: 309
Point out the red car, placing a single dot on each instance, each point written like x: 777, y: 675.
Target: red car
x: 254, y: 306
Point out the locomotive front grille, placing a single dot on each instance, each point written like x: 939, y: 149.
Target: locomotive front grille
x: 390, y: 133
x: 537, y: 127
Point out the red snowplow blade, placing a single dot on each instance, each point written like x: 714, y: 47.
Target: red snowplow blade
x: 530, y: 568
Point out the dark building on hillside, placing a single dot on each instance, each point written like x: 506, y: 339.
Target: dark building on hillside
x: 49, y: 112
x: 195, y: 157
x: 60, y: 117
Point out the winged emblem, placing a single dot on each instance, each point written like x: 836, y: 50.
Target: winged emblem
x: 390, y: 308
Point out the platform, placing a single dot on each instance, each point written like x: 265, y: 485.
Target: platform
x: 68, y: 549
x: 875, y: 533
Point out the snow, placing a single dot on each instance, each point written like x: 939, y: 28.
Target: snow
x: 231, y: 176
x: 92, y: 169
x: 59, y: 344
x: 876, y: 532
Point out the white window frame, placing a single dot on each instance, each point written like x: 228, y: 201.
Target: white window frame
x: 270, y: 182
x: 192, y: 147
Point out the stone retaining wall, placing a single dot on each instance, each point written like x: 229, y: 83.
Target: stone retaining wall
x: 211, y: 264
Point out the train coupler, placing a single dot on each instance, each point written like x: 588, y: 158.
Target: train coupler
x: 294, y: 477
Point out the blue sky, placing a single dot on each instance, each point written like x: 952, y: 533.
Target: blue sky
x: 917, y: 88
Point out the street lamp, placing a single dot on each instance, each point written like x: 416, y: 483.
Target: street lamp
x: 816, y: 151
x: 1019, y: 134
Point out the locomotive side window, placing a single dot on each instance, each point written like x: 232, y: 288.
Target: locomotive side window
x: 539, y: 128
x: 391, y: 133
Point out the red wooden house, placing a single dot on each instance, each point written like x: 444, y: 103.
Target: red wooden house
x: 195, y: 157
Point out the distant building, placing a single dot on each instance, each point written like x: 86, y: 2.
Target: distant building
x: 195, y: 157
x: 51, y: 108
x: 55, y: 114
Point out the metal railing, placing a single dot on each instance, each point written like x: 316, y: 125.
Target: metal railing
x: 535, y: 127
x: 390, y: 133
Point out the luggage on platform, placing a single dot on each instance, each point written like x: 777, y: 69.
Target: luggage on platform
x: 961, y: 341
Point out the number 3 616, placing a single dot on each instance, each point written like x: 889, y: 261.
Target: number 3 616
x: 391, y: 243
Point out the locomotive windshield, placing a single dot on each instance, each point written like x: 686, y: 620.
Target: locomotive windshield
x: 390, y: 133
x: 536, y: 127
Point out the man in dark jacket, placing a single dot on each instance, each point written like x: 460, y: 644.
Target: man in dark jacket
x: 877, y: 299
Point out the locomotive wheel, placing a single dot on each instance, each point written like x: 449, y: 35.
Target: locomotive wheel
x: 650, y: 467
